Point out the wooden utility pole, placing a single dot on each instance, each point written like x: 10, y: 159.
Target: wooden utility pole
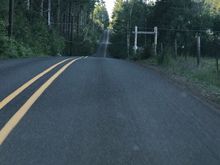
x: 11, y: 18
x: 155, y: 40
x: 135, y: 40
x: 198, y: 50
x: 155, y: 33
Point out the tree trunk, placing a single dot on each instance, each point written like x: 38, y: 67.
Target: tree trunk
x: 70, y: 26
x: 28, y: 4
x: 58, y: 15
x: 10, y: 18
x: 49, y: 13
x: 175, y: 49
x: 42, y: 8
x: 69, y: 21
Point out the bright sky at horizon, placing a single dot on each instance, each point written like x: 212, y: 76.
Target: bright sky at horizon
x: 110, y: 6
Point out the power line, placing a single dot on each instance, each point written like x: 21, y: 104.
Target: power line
x: 181, y: 30
x: 189, y: 30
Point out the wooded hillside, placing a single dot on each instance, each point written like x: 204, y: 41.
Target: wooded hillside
x: 51, y: 27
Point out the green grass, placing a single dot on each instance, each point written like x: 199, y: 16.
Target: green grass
x: 205, y: 77
x: 206, y: 73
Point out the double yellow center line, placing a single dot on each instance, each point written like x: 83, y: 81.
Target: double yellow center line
x: 10, y: 97
x: 14, y: 120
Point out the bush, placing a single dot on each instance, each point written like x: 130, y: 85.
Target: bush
x: 31, y: 38
x: 147, y: 53
x: 164, y: 57
x: 86, y: 43
x: 83, y: 47
x: 57, y: 43
x: 118, y: 50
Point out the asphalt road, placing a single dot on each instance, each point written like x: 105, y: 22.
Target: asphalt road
x: 103, y: 111
x: 102, y: 49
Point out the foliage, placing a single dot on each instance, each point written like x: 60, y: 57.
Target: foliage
x: 101, y: 17
x: 126, y: 16
x: 11, y: 48
x: 183, y: 21
x: 180, y: 20
x: 34, y: 34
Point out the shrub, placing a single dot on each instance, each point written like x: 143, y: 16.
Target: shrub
x: 164, y: 57
x: 57, y: 43
x: 147, y: 53
x: 118, y: 50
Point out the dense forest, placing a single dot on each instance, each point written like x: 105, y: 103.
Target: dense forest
x: 50, y: 27
x: 179, y: 24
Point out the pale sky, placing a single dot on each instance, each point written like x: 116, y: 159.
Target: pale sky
x: 110, y: 6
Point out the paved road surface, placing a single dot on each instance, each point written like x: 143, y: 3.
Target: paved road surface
x: 102, y: 49
x: 103, y: 111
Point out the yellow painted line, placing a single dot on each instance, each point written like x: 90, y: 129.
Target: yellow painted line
x: 10, y: 97
x: 16, y: 118
x: 85, y: 57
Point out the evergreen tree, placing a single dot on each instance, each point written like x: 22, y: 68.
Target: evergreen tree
x: 49, y: 27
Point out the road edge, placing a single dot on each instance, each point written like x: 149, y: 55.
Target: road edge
x: 190, y: 88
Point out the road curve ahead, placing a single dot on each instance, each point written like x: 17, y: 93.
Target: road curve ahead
x: 102, y: 111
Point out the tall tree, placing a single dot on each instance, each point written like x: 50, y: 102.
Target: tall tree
x: 49, y: 13
x: 11, y: 16
x: 101, y: 16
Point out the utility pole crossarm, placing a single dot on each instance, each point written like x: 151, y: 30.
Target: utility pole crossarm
x: 155, y: 33
x: 143, y: 32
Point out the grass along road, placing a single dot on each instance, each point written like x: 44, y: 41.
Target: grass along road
x: 203, y: 80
